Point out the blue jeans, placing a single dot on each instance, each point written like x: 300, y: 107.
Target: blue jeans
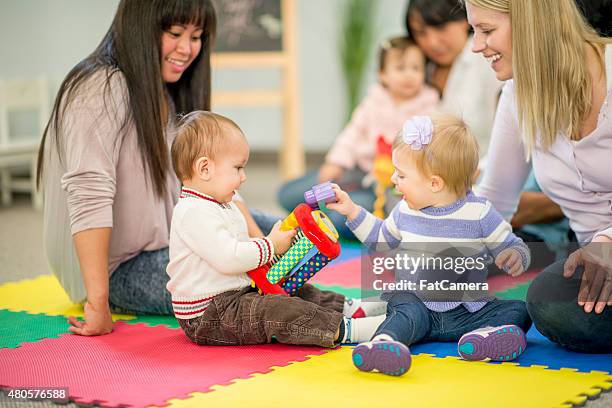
x: 292, y: 193
x: 138, y: 285
x: 552, y: 304
x: 409, y: 321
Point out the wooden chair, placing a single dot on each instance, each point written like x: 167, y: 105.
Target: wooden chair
x: 24, y: 111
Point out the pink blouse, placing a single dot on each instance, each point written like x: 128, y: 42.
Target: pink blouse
x: 577, y: 175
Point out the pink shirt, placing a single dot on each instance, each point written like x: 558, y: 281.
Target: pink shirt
x: 577, y: 175
x: 377, y: 114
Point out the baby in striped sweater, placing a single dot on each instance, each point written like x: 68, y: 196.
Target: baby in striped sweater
x: 435, y: 160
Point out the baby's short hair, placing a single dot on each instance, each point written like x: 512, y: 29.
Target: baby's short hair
x: 200, y: 133
x: 452, y: 154
x: 401, y: 43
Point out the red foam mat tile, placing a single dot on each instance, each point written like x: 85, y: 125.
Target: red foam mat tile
x: 346, y: 274
x: 499, y: 283
x: 137, y: 365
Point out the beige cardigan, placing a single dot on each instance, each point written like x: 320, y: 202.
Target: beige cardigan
x: 101, y: 182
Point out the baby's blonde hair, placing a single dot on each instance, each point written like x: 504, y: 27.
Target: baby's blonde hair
x: 451, y: 155
x: 200, y: 133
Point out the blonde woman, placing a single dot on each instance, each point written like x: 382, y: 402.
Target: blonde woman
x: 554, y: 115
x: 469, y: 89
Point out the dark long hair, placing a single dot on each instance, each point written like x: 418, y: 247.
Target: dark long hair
x: 435, y: 13
x: 598, y: 13
x: 132, y: 46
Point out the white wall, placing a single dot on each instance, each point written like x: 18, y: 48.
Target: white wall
x: 48, y: 37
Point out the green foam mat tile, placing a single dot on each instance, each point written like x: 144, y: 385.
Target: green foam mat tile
x: 517, y: 293
x: 21, y: 327
x: 354, y: 293
x: 154, y: 320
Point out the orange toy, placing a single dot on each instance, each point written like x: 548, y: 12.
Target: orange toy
x: 383, y: 170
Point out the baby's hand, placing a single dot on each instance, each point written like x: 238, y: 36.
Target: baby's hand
x: 281, y: 239
x: 510, y: 261
x: 344, y: 205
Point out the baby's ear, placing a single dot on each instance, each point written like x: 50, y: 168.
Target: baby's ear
x: 436, y: 184
x: 203, y: 168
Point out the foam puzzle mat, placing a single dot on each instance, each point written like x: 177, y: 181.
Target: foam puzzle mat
x: 148, y: 361
x: 20, y: 327
x: 431, y: 382
x: 540, y: 352
x: 130, y: 365
x: 43, y: 294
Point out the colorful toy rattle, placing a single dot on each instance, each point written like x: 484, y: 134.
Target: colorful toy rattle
x: 314, y: 246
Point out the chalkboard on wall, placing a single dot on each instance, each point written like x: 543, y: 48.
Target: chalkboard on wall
x: 248, y: 26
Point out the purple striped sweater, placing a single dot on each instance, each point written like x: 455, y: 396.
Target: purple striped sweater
x: 471, y: 221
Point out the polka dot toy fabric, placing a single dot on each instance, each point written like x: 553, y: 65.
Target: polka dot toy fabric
x: 307, y: 271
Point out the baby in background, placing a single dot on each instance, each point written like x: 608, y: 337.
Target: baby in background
x: 400, y: 94
x: 211, y: 253
x: 435, y: 160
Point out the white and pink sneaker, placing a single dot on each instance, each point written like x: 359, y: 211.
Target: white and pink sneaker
x: 501, y: 343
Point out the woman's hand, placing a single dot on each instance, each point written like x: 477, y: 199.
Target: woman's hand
x: 92, y: 250
x: 596, y: 286
x: 535, y: 208
x: 330, y: 172
x: 344, y: 205
x: 98, y: 321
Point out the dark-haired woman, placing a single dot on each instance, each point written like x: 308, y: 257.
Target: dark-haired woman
x: 466, y: 85
x: 104, y: 160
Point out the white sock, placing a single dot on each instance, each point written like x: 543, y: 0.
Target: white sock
x: 383, y: 337
x: 360, y: 330
x: 357, y: 308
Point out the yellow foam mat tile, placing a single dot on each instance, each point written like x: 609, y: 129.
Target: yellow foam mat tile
x: 43, y: 294
x: 331, y: 380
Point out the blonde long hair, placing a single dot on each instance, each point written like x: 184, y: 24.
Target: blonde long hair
x: 552, y: 80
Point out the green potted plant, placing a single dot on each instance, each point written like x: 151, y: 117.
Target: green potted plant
x: 356, y: 37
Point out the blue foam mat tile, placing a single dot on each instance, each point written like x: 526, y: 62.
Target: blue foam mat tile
x: 540, y: 351
x: 350, y: 250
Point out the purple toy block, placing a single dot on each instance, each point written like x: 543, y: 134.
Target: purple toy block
x: 320, y: 192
